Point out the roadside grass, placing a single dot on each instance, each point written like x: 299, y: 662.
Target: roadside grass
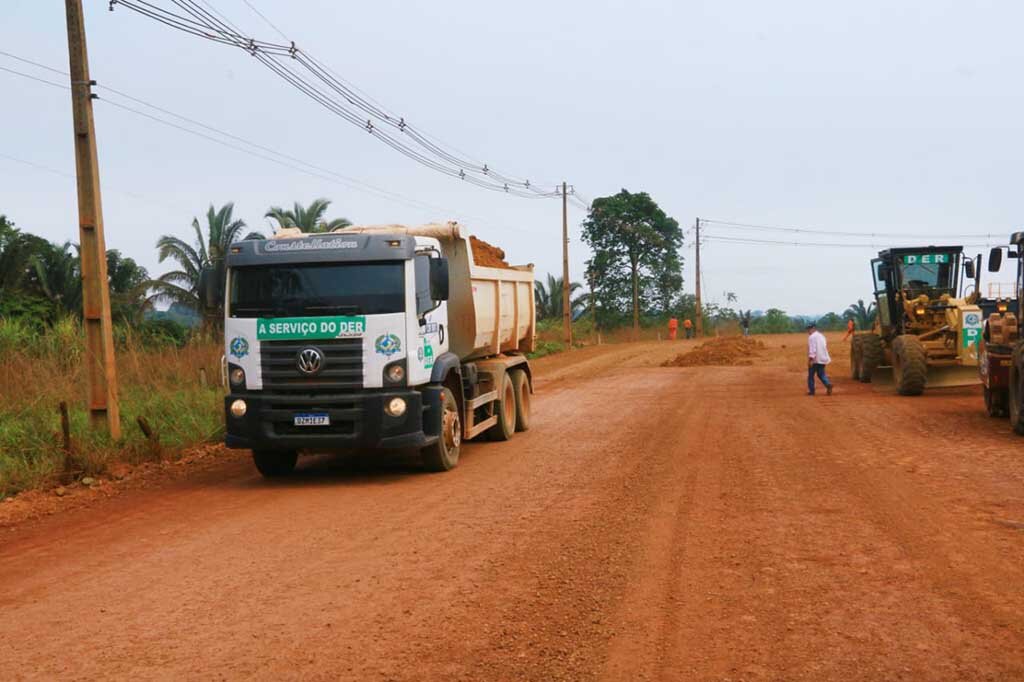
x: 159, y: 381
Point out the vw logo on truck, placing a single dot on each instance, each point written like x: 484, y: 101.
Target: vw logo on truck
x: 310, y: 361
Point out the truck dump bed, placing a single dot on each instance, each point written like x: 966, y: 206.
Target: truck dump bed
x: 490, y: 309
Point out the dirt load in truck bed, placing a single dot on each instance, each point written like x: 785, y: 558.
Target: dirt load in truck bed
x: 487, y: 255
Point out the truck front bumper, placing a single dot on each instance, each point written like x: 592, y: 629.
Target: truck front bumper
x: 357, y: 421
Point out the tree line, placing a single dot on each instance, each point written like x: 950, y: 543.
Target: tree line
x: 41, y: 281
x: 634, y: 274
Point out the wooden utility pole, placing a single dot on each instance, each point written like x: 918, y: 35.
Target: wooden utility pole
x: 566, y: 312
x: 699, y: 322
x: 99, y: 338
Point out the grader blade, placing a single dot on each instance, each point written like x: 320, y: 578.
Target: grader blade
x: 948, y: 377
x: 883, y: 379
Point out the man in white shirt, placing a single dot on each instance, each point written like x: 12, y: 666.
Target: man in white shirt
x: 817, y: 358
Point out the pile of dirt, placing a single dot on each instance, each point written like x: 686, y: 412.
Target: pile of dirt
x: 727, y: 350
x: 487, y: 255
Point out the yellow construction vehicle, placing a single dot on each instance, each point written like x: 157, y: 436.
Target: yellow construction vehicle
x: 926, y: 331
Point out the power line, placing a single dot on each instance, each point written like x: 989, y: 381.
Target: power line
x: 837, y: 233
x: 35, y: 78
x: 71, y: 176
x: 340, y: 98
x: 752, y: 241
x: 316, y: 170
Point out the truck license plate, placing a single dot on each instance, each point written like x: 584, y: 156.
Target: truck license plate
x: 312, y: 420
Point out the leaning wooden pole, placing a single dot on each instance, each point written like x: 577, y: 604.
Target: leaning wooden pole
x: 99, y: 337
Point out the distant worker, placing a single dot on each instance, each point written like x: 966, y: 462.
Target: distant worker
x: 745, y: 323
x: 850, y: 328
x: 673, y: 326
x: 688, y: 328
x: 817, y: 358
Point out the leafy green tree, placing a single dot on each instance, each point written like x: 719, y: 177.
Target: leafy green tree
x: 636, y: 250
x: 16, y: 251
x: 830, y: 322
x: 774, y: 321
x: 307, y: 218
x: 863, y: 316
x: 207, y: 252
x: 129, y: 283
x: 549, y: 298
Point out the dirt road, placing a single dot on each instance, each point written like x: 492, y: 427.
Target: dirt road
x: 704, y: 523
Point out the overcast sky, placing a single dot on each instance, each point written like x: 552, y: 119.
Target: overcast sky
x: 872, y: 116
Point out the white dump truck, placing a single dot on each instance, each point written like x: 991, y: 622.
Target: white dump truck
x: 370, y: 338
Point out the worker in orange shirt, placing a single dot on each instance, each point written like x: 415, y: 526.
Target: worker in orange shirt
x: 673, y: 325
x: 688, y: 328
x: 850, y: 328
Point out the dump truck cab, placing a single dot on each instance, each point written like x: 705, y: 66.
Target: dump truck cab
x: 330, y: 340
x: 1000, y: 365
x: 345, y: 341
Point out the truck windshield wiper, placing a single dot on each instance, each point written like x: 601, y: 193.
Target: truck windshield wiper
x: 335, y: 308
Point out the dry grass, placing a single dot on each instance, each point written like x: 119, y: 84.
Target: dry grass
x: 40, y: 370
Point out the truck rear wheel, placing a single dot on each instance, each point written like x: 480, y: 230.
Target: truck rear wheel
x: 275, y: 463
x: 910, y: 365
x: 856, y: 344
x: 444, y: 454
x: 1016, y: 395
x: 521, y: 387
x: 870, y: 355
x: 995, y: 402
x: 505, y: 409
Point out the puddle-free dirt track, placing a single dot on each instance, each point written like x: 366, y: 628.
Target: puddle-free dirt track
x: 693, y: 523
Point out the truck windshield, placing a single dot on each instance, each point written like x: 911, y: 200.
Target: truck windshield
x: 922, y: 273
x: 312, y: 289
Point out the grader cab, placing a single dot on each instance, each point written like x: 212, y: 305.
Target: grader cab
x: 926, y: 331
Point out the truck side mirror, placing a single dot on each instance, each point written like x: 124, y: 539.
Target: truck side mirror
x: 439, y: 279
x: 995, y: 259
x: 969, y: 268
x: 884, y: 271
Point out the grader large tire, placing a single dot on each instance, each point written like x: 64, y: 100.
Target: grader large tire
x: 909, y: 365
x: 856, y: 345
x: 870, y: 355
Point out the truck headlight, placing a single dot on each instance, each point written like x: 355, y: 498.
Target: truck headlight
x: 396, y: 373
x: 237, y: 376
x: 395, y: 407
x: 238, y: 408
x: 919, y: 311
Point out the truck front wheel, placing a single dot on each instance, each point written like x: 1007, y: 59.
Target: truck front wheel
x: 274, y: 463
x: 444, y: 454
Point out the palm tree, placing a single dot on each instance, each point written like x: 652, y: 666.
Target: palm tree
x: 308, y: 219
x: 207, y: 253
x: 549, y: 298
x: 863, y: 316
x: 58, y: 274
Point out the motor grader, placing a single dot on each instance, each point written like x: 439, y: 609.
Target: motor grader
x: 926, y: 331
x: 999, y: 360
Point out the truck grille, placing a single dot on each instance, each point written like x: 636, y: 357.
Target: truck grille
x: 342, y: 368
